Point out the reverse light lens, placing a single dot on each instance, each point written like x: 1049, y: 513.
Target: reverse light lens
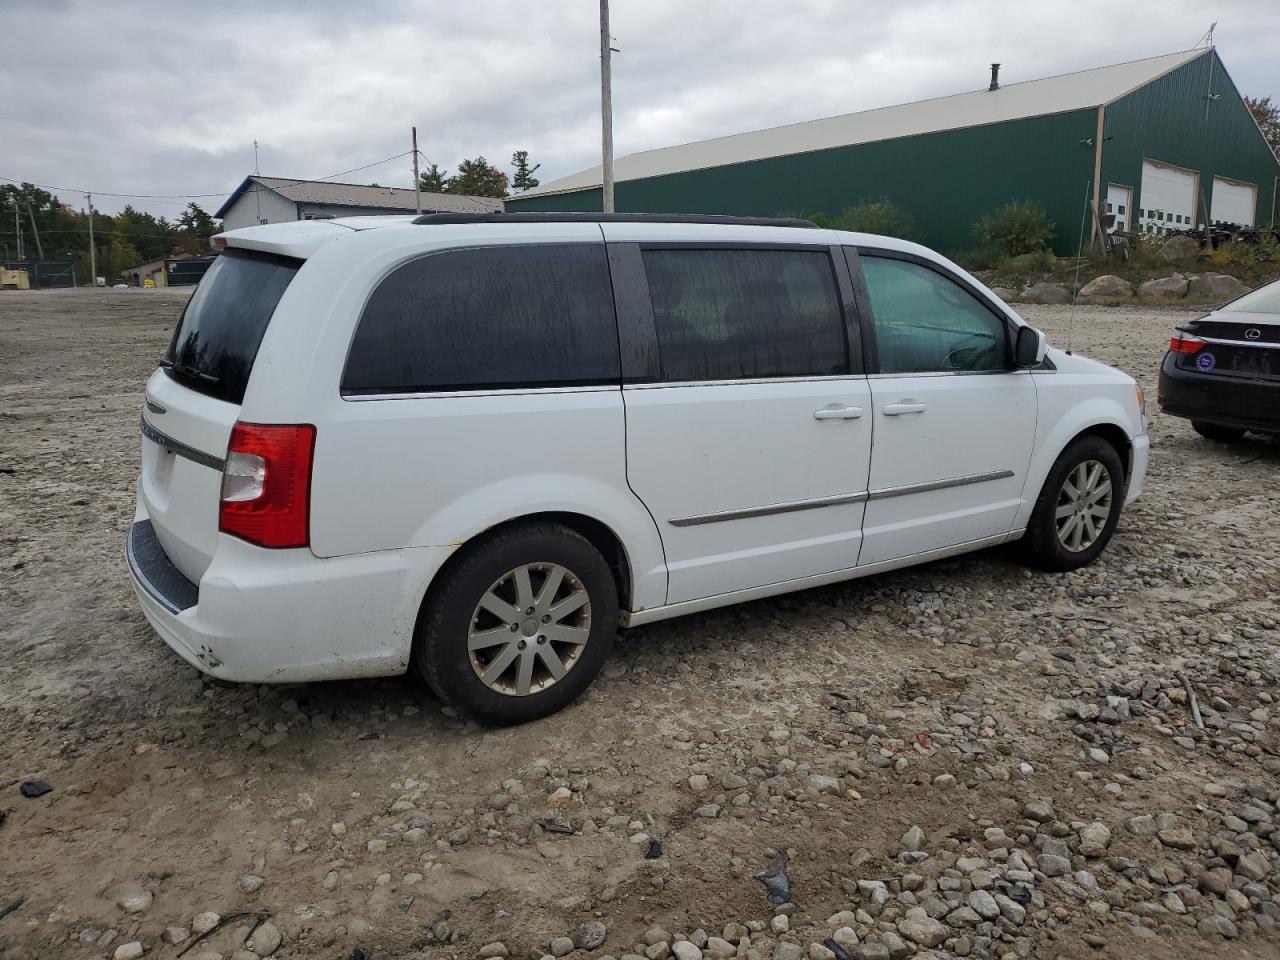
x: 266, y: 484
x: 1142, y: 399
x: 1185, y: 343
x: 244, y: 477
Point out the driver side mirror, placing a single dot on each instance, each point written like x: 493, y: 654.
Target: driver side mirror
x: 1030, y: 347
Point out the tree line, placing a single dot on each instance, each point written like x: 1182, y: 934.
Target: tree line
x: 479, y: 178
x: 54, y: 230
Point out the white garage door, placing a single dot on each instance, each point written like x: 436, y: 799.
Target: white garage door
x: 1168, y: 198
x: 1232, y: 202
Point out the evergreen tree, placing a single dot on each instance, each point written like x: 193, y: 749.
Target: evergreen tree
x: 524, y: 178
x: 478, y: 178
x: 433, y: 180
x: 1268, y: 116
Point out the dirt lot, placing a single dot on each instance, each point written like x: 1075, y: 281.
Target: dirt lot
x: 1032, y: 727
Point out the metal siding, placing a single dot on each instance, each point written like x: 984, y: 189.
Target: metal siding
x: 1165, y: 120
x: 945, y: 181
x: 244, y: 212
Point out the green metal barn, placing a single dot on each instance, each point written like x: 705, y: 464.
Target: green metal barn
x: 1163, y: 143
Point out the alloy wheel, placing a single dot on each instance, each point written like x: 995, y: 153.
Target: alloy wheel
x: 529, y: 629
x: 1084, y: 504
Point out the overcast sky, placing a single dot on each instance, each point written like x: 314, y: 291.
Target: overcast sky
x: 153, y: 98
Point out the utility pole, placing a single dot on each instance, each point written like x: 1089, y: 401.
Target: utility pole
x: 35, y: 231
x: 257, y: 200
x: 93, y: 251
x: 606, y: 109
x: 17, y: 227
x: 417, y: 184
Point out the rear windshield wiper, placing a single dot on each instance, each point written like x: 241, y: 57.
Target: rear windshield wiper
x: 189, y: 371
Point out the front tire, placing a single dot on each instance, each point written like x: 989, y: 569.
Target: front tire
x: 519, y: 625
x: 1078, y: 507
x: 1212, y: 431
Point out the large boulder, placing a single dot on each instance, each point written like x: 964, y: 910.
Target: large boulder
x: 1046, y: 293
x: 1027, y: 262
x: 1215, y: 286
x: 1179, y: 248
x: 1005, y: 293
x: 1165, y: 288
x: 1107, y: 287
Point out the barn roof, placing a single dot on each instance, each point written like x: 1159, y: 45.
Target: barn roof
x: 1012, y: 101
x: 334, y: 194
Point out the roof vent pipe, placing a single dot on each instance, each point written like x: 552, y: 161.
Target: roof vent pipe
x: 995, y: 77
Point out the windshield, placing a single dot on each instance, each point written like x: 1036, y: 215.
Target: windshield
x: 1263, y: 300
x: 217, y: 338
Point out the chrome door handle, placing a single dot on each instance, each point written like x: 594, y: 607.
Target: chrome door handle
x: 837, y: 412
x: 903, y: 408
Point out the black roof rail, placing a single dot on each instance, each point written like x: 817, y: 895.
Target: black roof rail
x: 441, y: 219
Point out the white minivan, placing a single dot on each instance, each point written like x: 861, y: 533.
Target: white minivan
x: 480, y: 444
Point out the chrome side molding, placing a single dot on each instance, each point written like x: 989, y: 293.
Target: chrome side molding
x: 883, y: 493
x: 770, y: 509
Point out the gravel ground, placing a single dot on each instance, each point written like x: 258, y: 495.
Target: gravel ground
x: 965, y: 759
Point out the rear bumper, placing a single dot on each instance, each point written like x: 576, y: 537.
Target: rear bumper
x: 275, y: 616
x: 1249, y: 404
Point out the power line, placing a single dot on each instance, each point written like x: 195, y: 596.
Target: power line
x: 187, y: 196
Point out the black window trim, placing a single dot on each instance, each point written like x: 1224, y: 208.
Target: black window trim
x: 854, y: 255
x: 495, y: 389
x: 638, y: 332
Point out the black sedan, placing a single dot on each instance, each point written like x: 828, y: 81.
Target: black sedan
x: 1222, y: 371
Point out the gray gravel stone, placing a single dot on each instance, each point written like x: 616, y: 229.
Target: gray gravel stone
x: 925, y: 931
x: 913, y: 839
x: 1215, y: 926
x: 591, y: 935
x: 983, y: 904
x: 1094, y: 839
x: 251, y: 883
x: 266, y: 940
x: 1054, y: 866
x: 1041, y: 811
x: 1011, y: 910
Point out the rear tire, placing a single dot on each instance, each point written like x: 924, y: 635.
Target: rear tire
x: 519, y: 625
x: 1212, y: 431
x: 1078, y: 507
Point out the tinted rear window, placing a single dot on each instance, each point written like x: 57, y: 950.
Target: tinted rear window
x: 745, y: 314
x: 489, y: 317
x: 217, y: 339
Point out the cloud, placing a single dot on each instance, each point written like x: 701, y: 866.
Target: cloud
x: 138, y: 98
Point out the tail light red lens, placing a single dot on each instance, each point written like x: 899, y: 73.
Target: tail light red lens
x: 266, y: 484
x: 1185, y: 343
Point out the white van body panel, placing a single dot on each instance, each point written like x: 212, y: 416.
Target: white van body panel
x: 953, y: 472
x: 709, y: 459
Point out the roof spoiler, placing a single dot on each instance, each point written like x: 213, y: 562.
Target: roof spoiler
x: 443, y: 219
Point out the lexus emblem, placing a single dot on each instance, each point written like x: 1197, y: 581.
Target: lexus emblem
x: 1253, y: 333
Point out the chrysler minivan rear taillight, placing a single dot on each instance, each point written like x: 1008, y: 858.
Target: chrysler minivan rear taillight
x: 266, y: 484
